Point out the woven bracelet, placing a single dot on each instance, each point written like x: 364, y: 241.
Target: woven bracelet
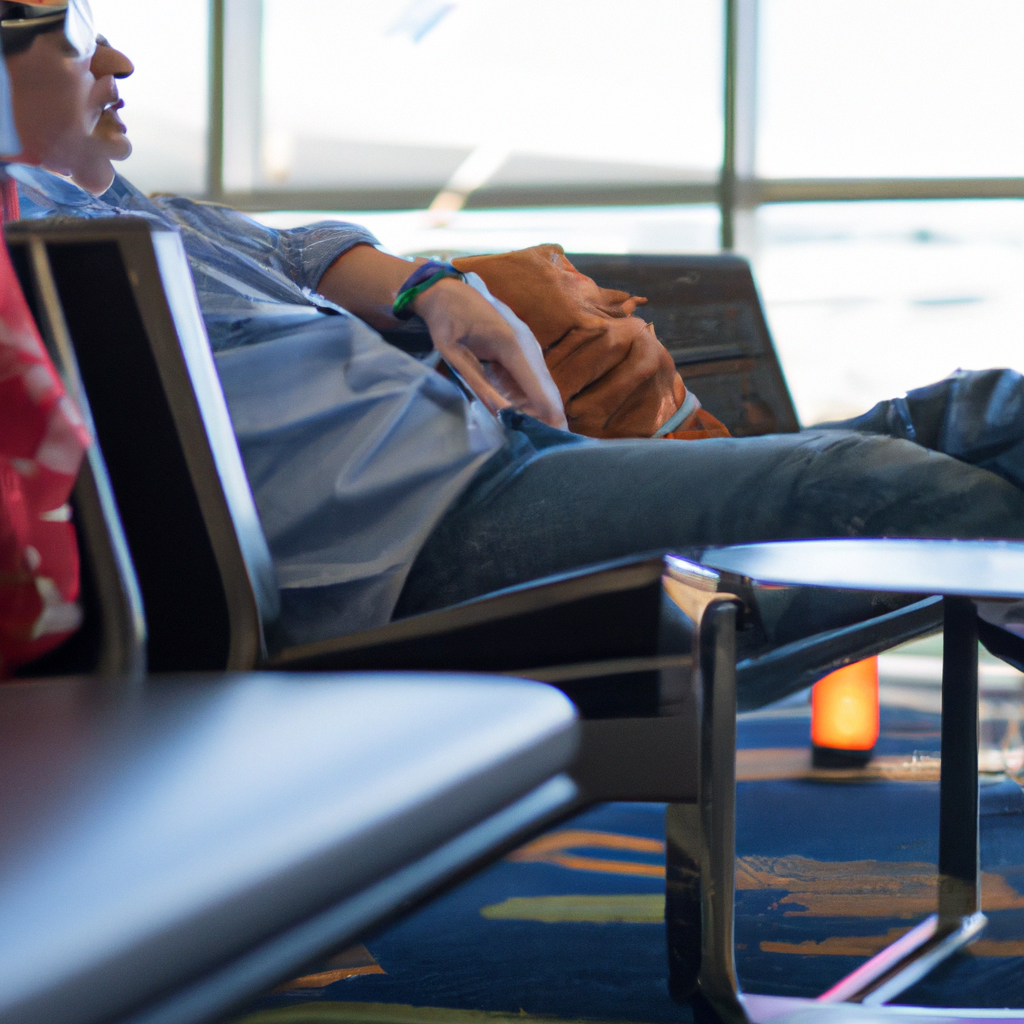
x: 423, y: 277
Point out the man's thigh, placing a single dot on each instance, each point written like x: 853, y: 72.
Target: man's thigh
x: 581, y: 504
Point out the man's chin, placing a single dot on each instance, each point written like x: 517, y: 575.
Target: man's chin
x: 117, y: 147
x: 95, y: 178
x: 109, y: 140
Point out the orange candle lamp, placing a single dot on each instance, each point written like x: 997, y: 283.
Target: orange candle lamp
x: 844, y: 708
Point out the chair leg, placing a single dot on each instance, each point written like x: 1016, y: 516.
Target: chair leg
x: 682, y: 899
x: 701, y: 842
x: 717, y: 979
x: 713, y: 869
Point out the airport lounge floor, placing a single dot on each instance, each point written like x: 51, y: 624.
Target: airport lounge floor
x: 832, y: 866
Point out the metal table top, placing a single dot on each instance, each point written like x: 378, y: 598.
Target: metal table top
x: 968, y: 568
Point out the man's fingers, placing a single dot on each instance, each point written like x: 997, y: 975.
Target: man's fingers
x: 526, y: 386
x: 633, y: 398
x: 590, y: 360
x: 469, y: 332
x: 468, y: 367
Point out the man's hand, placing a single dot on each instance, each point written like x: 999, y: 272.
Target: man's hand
x: 615, y: 377
x: 501, y: 368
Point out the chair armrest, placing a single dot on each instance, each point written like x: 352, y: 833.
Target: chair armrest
x: 602, y: 636
x: 605, y: 636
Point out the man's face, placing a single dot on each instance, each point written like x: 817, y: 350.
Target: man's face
x: 107, y: 139
x: 54, y: 107
x: 109, y: 136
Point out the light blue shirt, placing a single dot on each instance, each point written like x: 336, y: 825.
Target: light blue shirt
x: 353, y: 449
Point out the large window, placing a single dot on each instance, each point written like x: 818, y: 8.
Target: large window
x: 890, y: 88
x: 868, y: 300
x: 648, y: 126
x: 512, y: 100
x: 899, y: 100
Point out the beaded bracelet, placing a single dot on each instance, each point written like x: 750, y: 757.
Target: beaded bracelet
x: 425, y: 276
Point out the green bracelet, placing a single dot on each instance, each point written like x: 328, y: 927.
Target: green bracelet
x: 418, y: 282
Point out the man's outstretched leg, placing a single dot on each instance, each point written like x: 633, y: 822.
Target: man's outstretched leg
x: 566, y: 507
x: 977, y: 416
x: 576, y: 505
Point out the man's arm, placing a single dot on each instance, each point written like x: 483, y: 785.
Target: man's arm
x: 466, y: 329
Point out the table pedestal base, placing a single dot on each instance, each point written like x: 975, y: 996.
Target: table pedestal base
x: 701, y: 841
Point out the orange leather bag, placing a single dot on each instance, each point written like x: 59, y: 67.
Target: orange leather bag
x: 615, y: 378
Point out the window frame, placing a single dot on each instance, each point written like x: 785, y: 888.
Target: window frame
x: 738, y: 190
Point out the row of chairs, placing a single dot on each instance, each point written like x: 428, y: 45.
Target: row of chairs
x: 651, y: 653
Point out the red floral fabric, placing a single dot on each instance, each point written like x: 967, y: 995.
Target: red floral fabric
x: 42, y: 440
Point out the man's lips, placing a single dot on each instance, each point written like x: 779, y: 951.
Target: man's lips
x: 111, y: 109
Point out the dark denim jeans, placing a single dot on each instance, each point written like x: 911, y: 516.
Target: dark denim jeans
x: 555, y: 502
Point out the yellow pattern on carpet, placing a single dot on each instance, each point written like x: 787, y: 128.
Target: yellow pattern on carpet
x: 813, y: 888
x: 394, y: 1013
x: 633, y: 908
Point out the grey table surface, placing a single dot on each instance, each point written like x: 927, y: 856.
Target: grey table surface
x: 968, y: 568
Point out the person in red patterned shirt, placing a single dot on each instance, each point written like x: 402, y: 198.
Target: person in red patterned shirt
x: 42, y: 436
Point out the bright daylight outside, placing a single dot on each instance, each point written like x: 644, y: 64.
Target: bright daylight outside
x: 526, y: 105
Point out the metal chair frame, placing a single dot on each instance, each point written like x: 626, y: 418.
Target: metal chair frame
x: 86, y: 739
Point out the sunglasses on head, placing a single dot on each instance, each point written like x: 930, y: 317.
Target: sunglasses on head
x: 20, y: 23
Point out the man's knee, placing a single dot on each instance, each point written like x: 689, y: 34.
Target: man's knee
x: 871, y: 485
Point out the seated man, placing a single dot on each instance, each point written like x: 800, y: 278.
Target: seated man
x: 384, y: 491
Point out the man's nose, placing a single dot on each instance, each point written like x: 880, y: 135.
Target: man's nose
x: 108, y: 61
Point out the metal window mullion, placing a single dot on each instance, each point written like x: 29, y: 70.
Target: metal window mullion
x: 215, y: 113
x: 805, y: 190
x: 243, y: 94
x: 740, y: 113
x: 752, y: 192
x: 727, y: 180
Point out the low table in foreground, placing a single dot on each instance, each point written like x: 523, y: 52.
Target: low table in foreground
x: 961, y: 571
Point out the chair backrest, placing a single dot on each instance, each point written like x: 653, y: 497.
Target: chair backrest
x: 122, y: 290
x: 708, y: 314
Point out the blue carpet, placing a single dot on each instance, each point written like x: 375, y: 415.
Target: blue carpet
x: 827, y: 874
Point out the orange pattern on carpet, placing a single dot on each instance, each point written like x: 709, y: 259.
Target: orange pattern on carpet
x: 350, y: 963
x: 554, y: 849
x: 861, y: 888
x: 869, y: 945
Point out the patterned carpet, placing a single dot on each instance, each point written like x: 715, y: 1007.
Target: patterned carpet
x: 831, y: 867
